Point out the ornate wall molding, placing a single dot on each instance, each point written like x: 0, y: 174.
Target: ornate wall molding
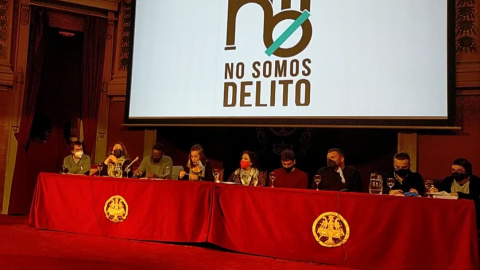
x: 467, y: 51
x: 465, y: 26
x: 118, y: 85
x: 6, y: 20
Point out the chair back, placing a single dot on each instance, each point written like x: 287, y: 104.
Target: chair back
x: 176, y: 171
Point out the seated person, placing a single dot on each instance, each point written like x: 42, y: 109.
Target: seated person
x: 462, y: 183
x: 155, y: 165
x: 405, y: 179
x: 248, y: 174
x: 199, y: 168
x: 118, y: 156
x: 77, y: 162
x: 337, y: 176
x: 289, y: 176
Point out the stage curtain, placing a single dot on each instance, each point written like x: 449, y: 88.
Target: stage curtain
x: 92, y: 71
x: 19, y: 204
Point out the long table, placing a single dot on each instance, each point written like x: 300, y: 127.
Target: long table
x: 175, y: 211
x: 385, y: 232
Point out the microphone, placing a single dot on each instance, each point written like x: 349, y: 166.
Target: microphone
x: 128, y: 166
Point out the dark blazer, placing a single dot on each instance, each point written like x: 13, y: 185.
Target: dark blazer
x: 331, y: 180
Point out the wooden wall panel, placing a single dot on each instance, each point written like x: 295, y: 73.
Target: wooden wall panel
x: 437, y: 151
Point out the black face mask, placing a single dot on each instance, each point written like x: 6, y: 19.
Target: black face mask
x: 459, y: 176
x: 289, y: 169
x: 402, y: 172
x: 331, y: 163
x: 117, y: 153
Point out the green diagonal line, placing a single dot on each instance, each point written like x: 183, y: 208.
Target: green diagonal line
x: 288, y: 32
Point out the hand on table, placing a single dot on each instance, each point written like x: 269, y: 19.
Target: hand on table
x: 396, y: 192
x: 414, y: 190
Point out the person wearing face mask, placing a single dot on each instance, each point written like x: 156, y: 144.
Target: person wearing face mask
x: 462, y: 183
x: 77, y: 162
x: 289, y: 176
x: 154, y: 166
x: 199, y: 168
x: 117, y: 156
x: 336, y: 175
x: 248, y: 174
x: 405, y: 179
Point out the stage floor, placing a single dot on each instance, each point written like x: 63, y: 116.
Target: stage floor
x: 24, y: 247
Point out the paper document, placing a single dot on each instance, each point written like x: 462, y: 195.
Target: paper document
x: 443, y: 195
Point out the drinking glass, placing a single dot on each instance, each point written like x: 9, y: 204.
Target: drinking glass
x: 317, y: 178
x: 390, y: 182
x: 376, y: 184
x: 272, y: 178
x: 428, y: 185
x: 99, y: 168
x: 127, y: 171
x: 167, y: 171
x: 216, y: 173
x: 64, y: 168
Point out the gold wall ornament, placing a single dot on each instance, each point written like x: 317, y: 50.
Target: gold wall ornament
x: 116, y: 209
x: 330, y: 229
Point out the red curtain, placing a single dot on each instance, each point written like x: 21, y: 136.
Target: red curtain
x: 93, y: 58
x: 36, y: 53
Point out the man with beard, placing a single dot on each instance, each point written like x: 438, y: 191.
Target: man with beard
x: 405, y: 179
x: 288, y: 176
x: 337, y: 176
x: 155, y: 165
x: 77, y: 162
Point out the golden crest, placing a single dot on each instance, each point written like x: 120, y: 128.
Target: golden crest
x: 116, y: 209
x: 330, y: 229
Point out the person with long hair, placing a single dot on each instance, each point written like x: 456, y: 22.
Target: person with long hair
x: 248, y: 174
x: 117, y: 156
x: 199, y: 168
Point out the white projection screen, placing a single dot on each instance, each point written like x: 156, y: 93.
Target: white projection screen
x: 292, y: 63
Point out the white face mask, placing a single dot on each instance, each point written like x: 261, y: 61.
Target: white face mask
x: 79, y: 154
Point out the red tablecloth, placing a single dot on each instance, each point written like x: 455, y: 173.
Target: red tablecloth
x: 386, y: 232
x: 174, y: 211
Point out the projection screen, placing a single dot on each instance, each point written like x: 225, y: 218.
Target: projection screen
x: 292, y: 63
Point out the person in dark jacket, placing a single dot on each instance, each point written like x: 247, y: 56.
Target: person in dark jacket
x: 462, y: 183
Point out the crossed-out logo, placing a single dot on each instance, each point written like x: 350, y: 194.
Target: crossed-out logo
x: 259, y: 82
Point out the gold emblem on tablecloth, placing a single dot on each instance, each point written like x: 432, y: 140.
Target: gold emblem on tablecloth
x: 116, y: 209
x: 330, y: 229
